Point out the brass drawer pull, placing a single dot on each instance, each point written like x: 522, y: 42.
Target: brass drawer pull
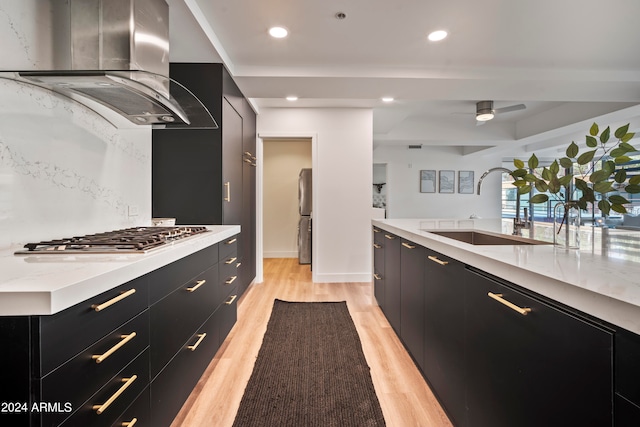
x: 377, y: 246
x: 375, y: 230
x: 238, y: 265
x: 198, y: 284
x: 248, y: 161
x: 99, y: 358
x: 376, y: 276
x: 439, y: 261
x: 228, y: 197
x: 231, y: 241
x: 233, y: 298
x: 230, y: 261
x: 498, y: 297
x: 389, y: 237
x: 129, y: 423
x: 230, y: 280
x: 112, y: 301
x: 127, y: 382
x: 406, y: 245
x: 200, y: 338
x: 248, y: 154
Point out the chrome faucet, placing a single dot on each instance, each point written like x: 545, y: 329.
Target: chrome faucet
x: 518, y: 223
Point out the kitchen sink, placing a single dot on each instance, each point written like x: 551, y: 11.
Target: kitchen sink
x: 487, y: 238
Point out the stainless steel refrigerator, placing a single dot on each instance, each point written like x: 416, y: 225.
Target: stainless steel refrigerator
x: 305, y: 209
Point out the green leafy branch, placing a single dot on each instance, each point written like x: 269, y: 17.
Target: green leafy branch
x: 589, y: 181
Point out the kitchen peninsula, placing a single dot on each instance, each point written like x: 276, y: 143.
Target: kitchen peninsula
x: 513, y: 334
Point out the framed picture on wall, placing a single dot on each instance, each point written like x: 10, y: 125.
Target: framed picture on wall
x: 427, y: 181
x: 447, y: 182
x: 465, y: 182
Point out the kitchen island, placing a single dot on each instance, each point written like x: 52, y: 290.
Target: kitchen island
x: 607, y: 287
x: 513, y: 333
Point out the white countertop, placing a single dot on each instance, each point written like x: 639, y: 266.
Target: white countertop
x: 47, y: 284
x: 607, y: 287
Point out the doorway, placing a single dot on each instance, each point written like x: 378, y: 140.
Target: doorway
x: 283, y: 159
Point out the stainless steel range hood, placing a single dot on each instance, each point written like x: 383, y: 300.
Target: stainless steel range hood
x: 115, y: 54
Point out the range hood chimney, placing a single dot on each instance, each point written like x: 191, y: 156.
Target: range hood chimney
x: 115, y: 54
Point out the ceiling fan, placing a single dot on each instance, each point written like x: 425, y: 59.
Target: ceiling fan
x: 486, y: 112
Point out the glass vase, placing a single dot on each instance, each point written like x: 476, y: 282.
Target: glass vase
x: 566, y: 225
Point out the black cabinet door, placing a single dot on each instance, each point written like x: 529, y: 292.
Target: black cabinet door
x: 444, y: 332
x: 541, y: 368
x: 392, y: 280
x: 412, y: 298
x: 378, y: 267
x: 231, y: 164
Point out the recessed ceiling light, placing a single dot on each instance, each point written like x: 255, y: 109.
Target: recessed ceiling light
x: 387, y: 99
x: 437, y: 35
x: 292, y: 98
x: 278, y: 32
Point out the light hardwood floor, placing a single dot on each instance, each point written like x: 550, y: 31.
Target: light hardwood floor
x: 405, y: 398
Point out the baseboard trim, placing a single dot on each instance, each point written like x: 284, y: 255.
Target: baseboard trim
x: 280, y: 254
x: 342, y: 278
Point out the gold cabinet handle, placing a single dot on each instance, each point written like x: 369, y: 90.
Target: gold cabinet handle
x: 238, y: 265
x: 200, y: 338
x: 123, y: 295
x: 230, y: 280
x: 231, y: 241
x: 406, y: 245
x: 377, y: 246
x: 375, y: 230
x: 231, y: 261
x: 376, y: 276
x: 198, y: 284
x: 498, y: 297
x: 389, y: 237
x: 228, y: 185
x: 127, y: 382
x: 99, y: 358
x: 129, y: 423
x: 233, y: 298
x: 248, y: 154
x: 248, y: 161
x: 439, y: 261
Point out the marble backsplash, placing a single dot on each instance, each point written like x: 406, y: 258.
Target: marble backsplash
x: 64, y: 170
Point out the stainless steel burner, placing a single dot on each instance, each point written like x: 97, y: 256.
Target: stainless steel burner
x: 128, y: 240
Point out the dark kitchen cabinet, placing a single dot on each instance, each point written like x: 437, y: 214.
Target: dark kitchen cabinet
x: 530, y: 363
x: 378, y: 267
x: 392, y: 304
x: 443, y: 363
x: 412, y: 298
x: 134, y: 352
x: 201, y: 176
x: 627, y: 380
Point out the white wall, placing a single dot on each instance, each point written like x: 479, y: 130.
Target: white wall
x: 404, y: 199
x: 64, y: 170
x: 283, y: 160
x: 342, y: 161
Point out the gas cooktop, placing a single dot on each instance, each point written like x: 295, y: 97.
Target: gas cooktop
x: 128, y: 240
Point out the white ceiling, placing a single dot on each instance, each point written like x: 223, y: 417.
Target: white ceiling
x: 569, y: 61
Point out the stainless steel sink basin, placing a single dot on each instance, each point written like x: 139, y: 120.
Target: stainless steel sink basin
x: 487, y: 238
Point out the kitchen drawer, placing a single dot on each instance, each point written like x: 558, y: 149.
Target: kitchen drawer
x: 626, y: 414
x: 229, y: 247
x: 168, y: 278
x: 228, y: 280
x: 172, y: 386
x: 82, y: 376
x: 227, y: 315
x: 126, y: 387
x: 140, y: 411
x: 175, y: 317
x: 627, y: 358
x: 65, y: 334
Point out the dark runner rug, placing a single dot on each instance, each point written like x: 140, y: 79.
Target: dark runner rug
x: 310, y: 371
